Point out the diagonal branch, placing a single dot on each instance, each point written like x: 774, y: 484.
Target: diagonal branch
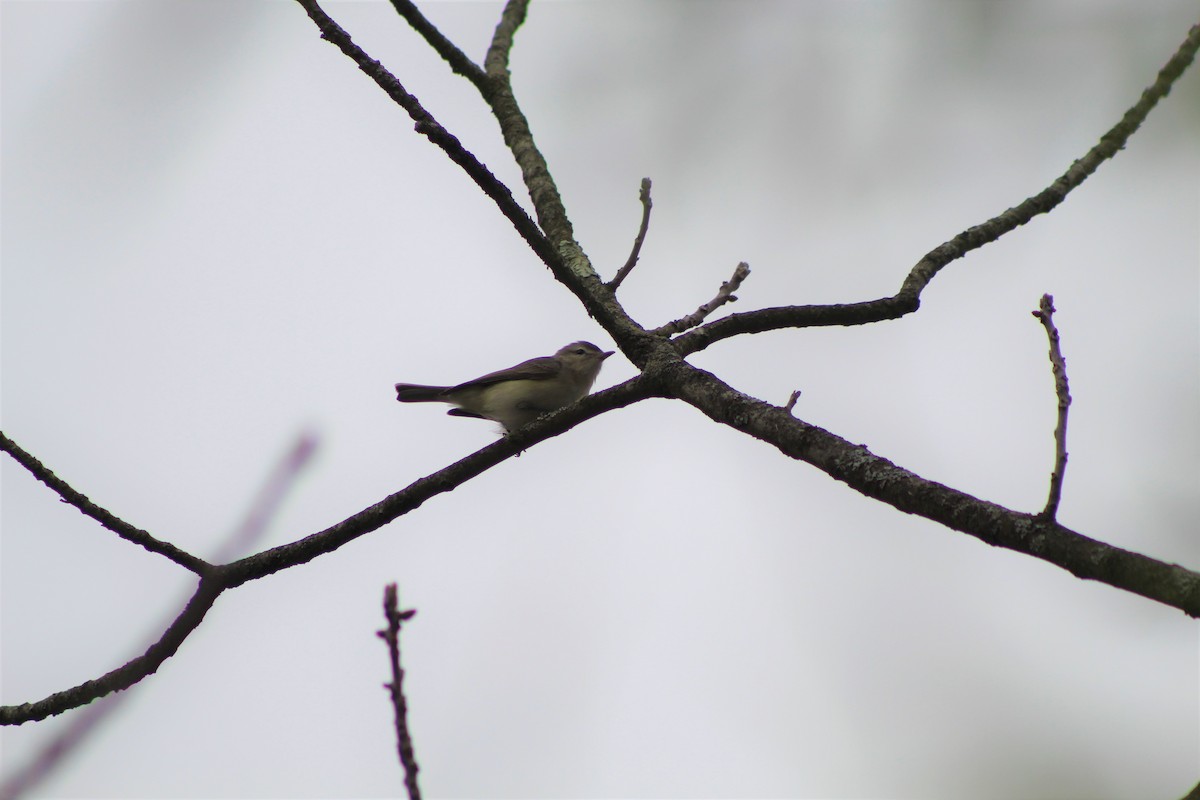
x: 426, y: 125
x: 457, y: 59
x: 724, y: 295
x: 511, y: 18
x: 907, y: 300
x: 109, y: 520
x: 906, y: 491
x: 228, y: 576
x: 127, y: 674
x: 391, y: 636
x: 415, y: 494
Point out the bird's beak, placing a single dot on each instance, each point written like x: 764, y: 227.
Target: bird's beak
x: 606, y: 354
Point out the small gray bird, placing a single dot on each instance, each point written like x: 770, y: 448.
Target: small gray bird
x: 516, y: 396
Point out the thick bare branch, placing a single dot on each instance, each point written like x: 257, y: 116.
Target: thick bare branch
x: 115, y: 524
x: 391, y: 635
x: 907, y: 300
x: 512, y: 18
x: 1062, y: 390
x: 666, y: 374
x: 631, y: 262
x: 879, y: 478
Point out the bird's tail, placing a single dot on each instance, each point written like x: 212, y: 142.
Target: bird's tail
x: 416, y: 393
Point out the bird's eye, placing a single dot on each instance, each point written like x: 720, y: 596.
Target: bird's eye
x: 579, y: 351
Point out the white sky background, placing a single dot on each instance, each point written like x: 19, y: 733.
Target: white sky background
x: 218, y: 234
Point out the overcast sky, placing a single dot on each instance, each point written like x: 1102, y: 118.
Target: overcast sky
x: 219, y: 235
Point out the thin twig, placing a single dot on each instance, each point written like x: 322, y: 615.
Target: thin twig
x: 391, y: 634
x: 724, y: 295
x: 429, y: 127
x: 457, y: 59
x: 1045, y: 313
x: 791, y: 403
x: 631, y: 262
x: 127, y: 674
x: 118, y: 526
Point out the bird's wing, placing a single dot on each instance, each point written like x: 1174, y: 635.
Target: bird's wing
x: 535, y: 369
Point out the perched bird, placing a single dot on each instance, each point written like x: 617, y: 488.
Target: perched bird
x: 516, y: 396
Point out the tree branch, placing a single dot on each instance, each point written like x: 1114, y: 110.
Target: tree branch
x: 104, y: 517
x: 457, y: 59
x: 429, y: 127
x: 511, y: 18
x: 664, y: 374
x: 127, y: 674
x: 1045, y: 313
x: 444, y: 480
x: 631, y: 262
x: 724, y: 295
x: 228, y: 576
x: 882, y: 480
x: 50, y: 754
x: 391, y: 635
x: 907, y: 300
x: 553, y: 241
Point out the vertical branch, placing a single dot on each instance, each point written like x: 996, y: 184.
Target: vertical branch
x: 1045, y: 313
x: 631, y: 262
x: 391, y: 635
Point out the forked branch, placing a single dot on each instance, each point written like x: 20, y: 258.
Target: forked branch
x: 109, y: 520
